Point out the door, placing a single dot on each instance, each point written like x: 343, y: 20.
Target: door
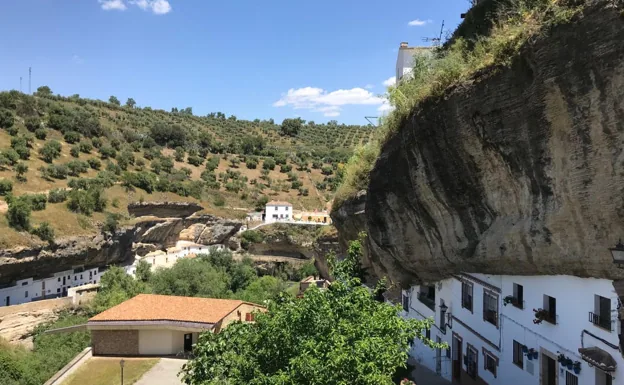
x: 549, y: 370
x: 438, y: 357
x: 7, y: 302
x: 188, y: 342
x: 63, y: 281
x: 457, y: 357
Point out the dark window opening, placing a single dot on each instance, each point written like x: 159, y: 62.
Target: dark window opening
x: 467, y: 295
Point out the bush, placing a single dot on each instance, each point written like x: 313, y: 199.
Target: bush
x: 74, y: 151
x: 6, y: 118
x: 57, y: 195
x: 18, y: 214
x: 195, y: 160
x: 124, y: 159
x: 304, y: 191
x: 71, y: 137
x: 97, y: 142
x: 212, y: 163
x: 218, y: 200
x: 316, y: 164
x: 285, y: 168
x: 6, y: 186
x: 11, y: 156
x: 179, y: 154
x: 21, y: 169
x: 327, y: 170
x: 111, y: 223
x: 86, y: 202
x: 268, y: 164
x: 57, y: 171
x: 45, y: 232
x: 23, y: 152
x: 107, y: 151
x: 143, y: 180
x: 116, y: 144
x: 94, y: 163
x: 251, y: 163
x: 50, y: 151
x: 295, y: 185
x: 113, y: 168
x: 77, y: 167
x: 32, y: 123
x: 85, y: 147
x: 41, y: 133
x: 13, y: 130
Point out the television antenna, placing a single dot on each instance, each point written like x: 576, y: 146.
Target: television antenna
x: 435, y: 41
x: 370, y: 123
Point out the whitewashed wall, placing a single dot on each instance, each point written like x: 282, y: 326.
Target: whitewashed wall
x: 282, y: 212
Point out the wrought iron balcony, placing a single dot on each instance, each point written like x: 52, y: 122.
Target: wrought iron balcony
x: 602, y: 322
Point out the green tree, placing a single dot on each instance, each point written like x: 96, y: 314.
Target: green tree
x: 32, y: 123
x: 116, y: 286
x: 18, y: 214
x: 268, y: 164
x: 20, y: 170
x: 6, y: 186
x: 130, y: 103
x: 43, y: 91
x: 6, y: 118
x: 114, y: 100
x: 41, y: 133
x: 190, y: 278
x: 45, y: 232
x: 291, y: 127
x: 71, y: 137
x: 341, y: 335
x: 179, y: 154
x: 262, y: 289
x: 50, y: 151
x: 143, y: 271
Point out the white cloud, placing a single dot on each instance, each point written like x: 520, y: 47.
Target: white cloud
x: 390, y: 81
x: 329, y: 103
x: 419, y: 23
x: 109, y: 5
x: 158, y: 7
x: 385, y: 107
x: 369, y: 86
x: 77, y: 59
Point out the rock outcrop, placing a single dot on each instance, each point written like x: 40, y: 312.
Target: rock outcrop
x: 103, y: 249
x: 163, y: 209
x: 519, y: 172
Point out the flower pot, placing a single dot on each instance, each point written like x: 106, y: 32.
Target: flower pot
x: 535, y: 355
x: 530, y: 357
x: 577, y: 370
x: 525, y: 349
x: 570, y: 366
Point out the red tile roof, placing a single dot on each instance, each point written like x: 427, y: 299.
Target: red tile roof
x: 151, y: 307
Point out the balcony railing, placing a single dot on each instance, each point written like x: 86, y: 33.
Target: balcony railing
x: 602, y: 322
x: 426, y: 300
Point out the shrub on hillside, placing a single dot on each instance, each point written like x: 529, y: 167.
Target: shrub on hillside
x: 18, y: 214
x: 268, y: 164
x: 74, y: 151
x: 41, y: 133
x: 295, y: 185
x: 6, y: 186
x: 50, y: 151
x: 116, y: 144
x: 71, y: 137
x: 45, y: 232
x: 251, y: 163
x: 195, y: 160
x: 37, y: 201
x: 143, y: 180
x: 107, y: 151
x: 179, y: 154
x: 6, y: 118
x: 32, y: 123
x: 85, y: 147
x: 212, y: 163
x: 23, y: 152
x: 125, y: 159
x: 77, y: 167
x: 327, y: 170
x: 57, y: 195
x: 113, y: 168
x: 94, y: 163
x: 316, y: 164
x: 10, y: 156
x: 86, y: 201
x: 285, y: 168
x: 20, y: 170
x: 97, y: 142
x: 111, y: 223
x: 13, y: 130
x: 168, y: 135
x: 56, y: 171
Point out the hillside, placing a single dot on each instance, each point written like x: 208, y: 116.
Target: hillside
x: 91, y: 158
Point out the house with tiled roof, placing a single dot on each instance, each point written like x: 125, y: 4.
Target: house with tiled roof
x: 159, y: 325
x: 277, y: 211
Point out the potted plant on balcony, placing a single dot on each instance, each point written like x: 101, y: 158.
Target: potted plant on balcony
x: 561, y: 359
x: 507, y: 300
x: 569, y: 364
x: 577, y: 367
x: 525, y: 349
x: 540, y: 315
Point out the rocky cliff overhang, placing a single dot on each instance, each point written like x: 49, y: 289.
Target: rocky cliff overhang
x: 520, y: 172
x: 163, y: 209
x: 105, y: 249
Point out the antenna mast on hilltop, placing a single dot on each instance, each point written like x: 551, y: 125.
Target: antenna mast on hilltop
x: 29, y: 80
x: 435, y: 41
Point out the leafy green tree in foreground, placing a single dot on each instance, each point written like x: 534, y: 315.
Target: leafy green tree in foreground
x: 341, y: 335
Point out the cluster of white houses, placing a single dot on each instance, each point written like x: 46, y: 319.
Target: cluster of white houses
x: 520, y: 330
x: 278, y: 211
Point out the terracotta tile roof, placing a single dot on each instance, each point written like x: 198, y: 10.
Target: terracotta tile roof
x: 278, y: 203
x: 151, y: 307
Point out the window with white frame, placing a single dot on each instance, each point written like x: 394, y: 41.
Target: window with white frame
x: 490, y: 307
x: 490, y: 362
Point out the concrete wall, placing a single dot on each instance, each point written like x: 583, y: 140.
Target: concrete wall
x: 275, y: 213
x: 115, y: 342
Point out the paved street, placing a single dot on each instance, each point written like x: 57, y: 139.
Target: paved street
x: 165, y: 372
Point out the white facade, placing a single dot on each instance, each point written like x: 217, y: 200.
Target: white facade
x: 167, y: 259
x: 586, y: 315
x: 278, y: 212
x: 27, y: 290
x: 405, y: 59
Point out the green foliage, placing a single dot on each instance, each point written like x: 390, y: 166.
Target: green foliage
x: 341, y: 335
x: 97, y: 142
x: 179, y: 154
x: 116, y: 286
x: 262, y: 289
x: 111, y: 223
x: 41, y: 133
x: 143, y: 272
x: 43, y: 91
x: 86, y: 201
x: 190, y: 278
x: 71, y: 137
x: 77, y: 167
x: 45, y: 232
x: 32, y: 123
x: 6, y: 118
x: 74, y: 151
x: 143, y: 180
x: 18, y: 214
x: 268, y: 164
x: 57, y: 195
x: 327, y: 170
x: 37, y: 201
x: 11, y: 156
x: 107, y: 151
x: 6, y: 186
x: 85, y: 147
x: 251, y: 163
x: 113, y: 100
x: 284, y: 168
x: 21, y: 169
x: 94, y: 163
x: 56, y: 171
x: 130, y: 103
x: 291, y: 127
x: 251, y: 236
x: 50, y: 151
x: 168, y: 134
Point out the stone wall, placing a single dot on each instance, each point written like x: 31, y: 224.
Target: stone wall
x: 115, y: 342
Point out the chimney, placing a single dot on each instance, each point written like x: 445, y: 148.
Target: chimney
x: 403, y: 44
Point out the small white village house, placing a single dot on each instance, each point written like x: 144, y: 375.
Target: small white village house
x: 276, y: 211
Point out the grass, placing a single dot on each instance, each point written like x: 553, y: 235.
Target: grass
x: 105, y: 371
x: 433, y: 75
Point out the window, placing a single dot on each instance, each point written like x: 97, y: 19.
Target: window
x: 571, y: 379
x: 471, y: 361
x: 426, y: 295
x: 490, y: 307
x: 608, y: 379
x: 405, y: 301
x: 59, y: 279
x: 249, y: 317
x: 24, y: 283
x: 58, y: 290
x: 550, y: 305
x: 467, y: 295
x: 517, y: 354
x: 490, y: 362
x: 601, y: 316
x: 518, y: 296
x: 428, y: 333
x: 26, y: 294
x: 80, y: 276
x: 448, y: 352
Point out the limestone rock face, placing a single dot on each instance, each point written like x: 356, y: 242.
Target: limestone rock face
x: 163, y: 209
x: 519, y: 172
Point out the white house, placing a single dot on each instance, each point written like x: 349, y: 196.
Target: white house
x: 521, y: 330
x: 405, y: 59
x: 276, y: 211
x: 27, y: 290
x: 167, y: 259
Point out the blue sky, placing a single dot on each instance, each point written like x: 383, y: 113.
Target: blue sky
x: 237, y: 57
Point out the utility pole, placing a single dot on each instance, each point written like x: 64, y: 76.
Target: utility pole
x: 29, y: 80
